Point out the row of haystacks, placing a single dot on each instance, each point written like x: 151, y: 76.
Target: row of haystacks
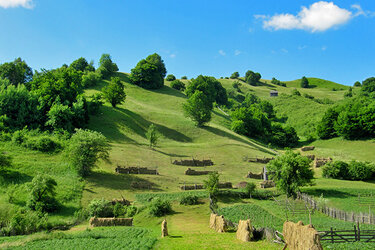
x: 135, y: 170
x: 193, y: 162
x: 201, y: 186
x: 110, y: 222
x: 190, y: 171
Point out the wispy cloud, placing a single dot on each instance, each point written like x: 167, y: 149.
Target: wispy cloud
x: 237, y: 52
x: 222, y: 52
x: 324, y: 48
x: 319, y: 16
x: 302, y: 47
x: 16, y: 3
x: 172, y: 55
x: 284, y: 50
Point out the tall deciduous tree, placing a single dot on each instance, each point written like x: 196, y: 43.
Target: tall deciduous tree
x: 106, y: 66
x: 235, y: 75
x: 252, y: 78
x: 114, y: 93
x: 17, y: 72
x: 198, y: 108
x: 149, y: 73
x: 212, y: 186
x: 304, y: 82
x: 152, y: 135
x: 290, y: 171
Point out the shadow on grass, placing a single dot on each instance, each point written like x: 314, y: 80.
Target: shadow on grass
x: 171, y: 154
x: 119, y: 181
x: 227, y: 118
x: 236, y: 138
x: 8, y: 177
x: 166, y: 90
x: 329, y: 193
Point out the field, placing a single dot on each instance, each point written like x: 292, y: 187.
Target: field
x: 126, y: 126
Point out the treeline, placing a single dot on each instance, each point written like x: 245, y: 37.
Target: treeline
x: 50, y: 100
x: 352, y: 119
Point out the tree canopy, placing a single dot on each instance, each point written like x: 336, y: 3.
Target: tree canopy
x: 17, y: 72
x: 304, y: 82
x: 149, y: 73
x: 106, y: 66
x: 198, y: 107
x: 252, y: 78
x: 114, y: 93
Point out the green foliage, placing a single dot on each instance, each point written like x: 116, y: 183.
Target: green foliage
x: 18, y: 107
x: 5, y: 161
x: 304, y: 82
x: 296, y: 92
x: 235, y: 75
x: 106, y: 66
x: 170, y: 78
x: 277, y: 82
x: 198, y: 108
x: 90, y: 79
x: 102, y: 208
x: 236, y: 85
x: 184, y: 77
x: 60, y: 117
x: 25, y: 222
x: 368, y: 85
x: 17, y: 72
x: 42, y: 194
x: 212, y: 187
x: 114, y: 93
x: 152, y: 135
x: 159, y: 207
x: 179, y: 85
x: 357, y: 84
x: 81, y: 64
x: 42, y: 144
x: 189, y: 200
x: 94, y: 103
x: 252, y: 78
x: 84, y: 149
x: 145, y: 197
x: 212, y: 89
x: 250, y: 188
x: 290, y: 171
x: 254, y: 122
x: 308, y: 96
x: 283, y: 136
x: 349, y: 93
x: 325, y: 128
x: 336, y: 170
x: 359, y: 171
x: 149, y: 73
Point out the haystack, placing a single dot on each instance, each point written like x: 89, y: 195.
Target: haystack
x: 298, y: 237
x: 218, y: 223
x: 164, y: 229
x: 245, y: 230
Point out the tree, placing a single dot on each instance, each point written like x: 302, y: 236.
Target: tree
x: 170, y: 78
x: 152, y: 135
x: 290, y: 171
x: 250, y: 188
x: 149, y: 73
x: 252, y: 78
x: 17, y: 72
x: 357, y: 84
x: 177, y: 84
x: 114, y: 93
x: 42, y: 194
x: 184, y: 77
x: 212, y: 186
x: 368, y: 85
x: 304, y: 82
x: 235, y: 75
x: 81, y: 64
x: 198, y: 107
x: 106, y: 66
x: 84, y: 149
x: 60, y: 117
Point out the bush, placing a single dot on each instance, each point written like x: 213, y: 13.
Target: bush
x: 101, y: 208
x: 119, y: 210
x: 336, y: 170
x: 90, y: 79
x: 160, y: 208
x: 170, y: 78
x: 359, y: 171
x: 42, y: 194
x: 131, y: 211
x: 296, y: 92
x: 184, y: 77
x: 42, y: 143
x: 250, y: 189
x: 177, y: 84
x: 236, y: 85
x: 189, y: 200
x: 19, y: 137
x: 235, y: 75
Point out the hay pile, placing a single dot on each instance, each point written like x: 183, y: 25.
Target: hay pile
x: 140, y: 185
x: 135, y: 170
x: 254, y: 176
x: 307, y: 148
x: 311, y: 157
x: 190, y: 171
x: 164, y: 229
x: 318, y: 162
x: 218, y: 223
x: 298, y: 237
x: 110, y: 222
x: 245, y: 230
x: 122, y: 201
x: 267, y: 184
x: 193, y: 163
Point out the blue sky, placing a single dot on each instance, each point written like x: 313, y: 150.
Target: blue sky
x: 282, y: 39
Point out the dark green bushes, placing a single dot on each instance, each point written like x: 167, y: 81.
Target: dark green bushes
x: 353, y: 170
x: 189, y: 200
x: 170, y: 78
x: 177, y: 84
x: 160, y: 207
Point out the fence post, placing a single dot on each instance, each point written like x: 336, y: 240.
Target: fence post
x: 359, y: 232
x: 355, y: 233
x: 331, y: 234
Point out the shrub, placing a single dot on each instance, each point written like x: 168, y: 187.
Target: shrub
x: 250, y: 189
x: 90, y: 79
x: 170, y: 78
x: 101, y: 208
x: 235, y: 75
x: 19, y: 137
x: 308, y: 96
x: 160, y: 208
x: 189, y: 200
x: 42, y: 194
x: 184, y: 77
x: 114, y: 93
x: 81, y: 215
x: 359, y: 171
x: 296, y: 92
x: 42, y: 143
x: 336, y: 170
x: 177, y: 84
x: 119, y: 210
x: 236, y: 85
x: 131, y: 211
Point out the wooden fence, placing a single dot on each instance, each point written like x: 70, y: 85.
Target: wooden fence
x: 344, y: 236
x: 367, y: 218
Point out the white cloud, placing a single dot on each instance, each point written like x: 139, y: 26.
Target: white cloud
x: 222, y: 52
x: 361, y: 12
x: 172, y: 55
x: 237, y: 52
x: 319, y: 16
x: 16, y: 3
